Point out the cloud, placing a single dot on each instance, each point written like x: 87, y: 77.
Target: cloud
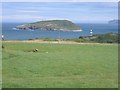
x: 21, y: 18
x: 27, y: 11
x: 27, y: 18
x: 49, y: 11
x: 18, y: 17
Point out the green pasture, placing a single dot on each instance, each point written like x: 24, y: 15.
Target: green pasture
x: 59, y: 65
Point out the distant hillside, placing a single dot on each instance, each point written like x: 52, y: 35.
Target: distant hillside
x: 102, y: 38
x: 113, y: 21
x: 50, y: 25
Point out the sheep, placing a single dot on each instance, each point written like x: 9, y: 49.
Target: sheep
x: 35, y: 50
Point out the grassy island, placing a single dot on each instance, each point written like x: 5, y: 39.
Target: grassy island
x: 50, y: 25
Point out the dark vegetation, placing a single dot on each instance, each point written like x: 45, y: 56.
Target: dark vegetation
x: 102, y: 38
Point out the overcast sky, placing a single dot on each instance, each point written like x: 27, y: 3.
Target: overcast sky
x: 82, y: 12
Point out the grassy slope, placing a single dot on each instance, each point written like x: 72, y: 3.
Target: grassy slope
x: 58, y: 24
x: 63, y: 66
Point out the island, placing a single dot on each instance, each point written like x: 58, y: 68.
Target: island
x: 64, y: 25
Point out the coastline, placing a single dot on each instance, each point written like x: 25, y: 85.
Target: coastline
x: 72, y: 30
x: 51, y: 30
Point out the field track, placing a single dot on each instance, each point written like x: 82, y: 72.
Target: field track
x: 52, y: 42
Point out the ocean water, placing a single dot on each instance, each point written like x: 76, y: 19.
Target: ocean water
x: 10, y: 33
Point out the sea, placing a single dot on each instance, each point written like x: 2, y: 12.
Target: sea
x: 11, y: 33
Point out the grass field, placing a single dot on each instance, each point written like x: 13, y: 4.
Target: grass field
x: 60, y: 65
x: 0, y: 66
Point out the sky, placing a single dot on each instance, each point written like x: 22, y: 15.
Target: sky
x: 78, y: 12
x: 60, y: 0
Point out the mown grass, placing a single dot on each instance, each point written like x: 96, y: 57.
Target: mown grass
x: 60, y: 66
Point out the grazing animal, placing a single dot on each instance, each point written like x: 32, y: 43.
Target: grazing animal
x: 35, y: 50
